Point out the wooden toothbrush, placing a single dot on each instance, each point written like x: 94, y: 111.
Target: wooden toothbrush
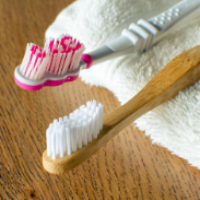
x: 178, y: 74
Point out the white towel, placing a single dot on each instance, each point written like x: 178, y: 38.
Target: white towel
x: 175, y: 124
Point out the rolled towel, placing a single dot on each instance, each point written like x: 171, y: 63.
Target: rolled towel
x: 175, y: 124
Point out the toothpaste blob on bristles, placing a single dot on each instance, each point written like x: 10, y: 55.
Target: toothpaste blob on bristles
x: 59, y: 56
x: 68, y: 134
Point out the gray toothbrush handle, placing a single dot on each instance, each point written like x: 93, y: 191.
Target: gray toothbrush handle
x: 178, y: 15
x: 143, y: 35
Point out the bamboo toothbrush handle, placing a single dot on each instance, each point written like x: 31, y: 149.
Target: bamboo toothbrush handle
x: 181, y: 72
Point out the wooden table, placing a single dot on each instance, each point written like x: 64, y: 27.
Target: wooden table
x: 128, y: 167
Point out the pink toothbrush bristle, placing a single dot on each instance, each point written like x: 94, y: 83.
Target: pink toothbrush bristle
x: 34, y: 62
x: 58, y: 57
x: 65, y: 55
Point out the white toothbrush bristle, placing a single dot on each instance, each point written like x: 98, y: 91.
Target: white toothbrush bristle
x: 68, y: 134
x: 59, y: 56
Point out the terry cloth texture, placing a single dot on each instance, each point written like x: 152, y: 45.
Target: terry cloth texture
x: 175, y: 124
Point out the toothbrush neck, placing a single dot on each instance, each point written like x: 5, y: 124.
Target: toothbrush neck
x: 100, y: 55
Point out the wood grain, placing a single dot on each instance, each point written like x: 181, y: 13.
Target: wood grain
x: 128, y: 167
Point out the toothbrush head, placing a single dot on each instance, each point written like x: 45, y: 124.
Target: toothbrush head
x: 65, y: 136
x: 58, y: 62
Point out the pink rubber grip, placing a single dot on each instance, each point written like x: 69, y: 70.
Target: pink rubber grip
x: 87, y: 59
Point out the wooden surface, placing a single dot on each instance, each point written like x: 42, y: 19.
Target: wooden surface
x: 128, y: 167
